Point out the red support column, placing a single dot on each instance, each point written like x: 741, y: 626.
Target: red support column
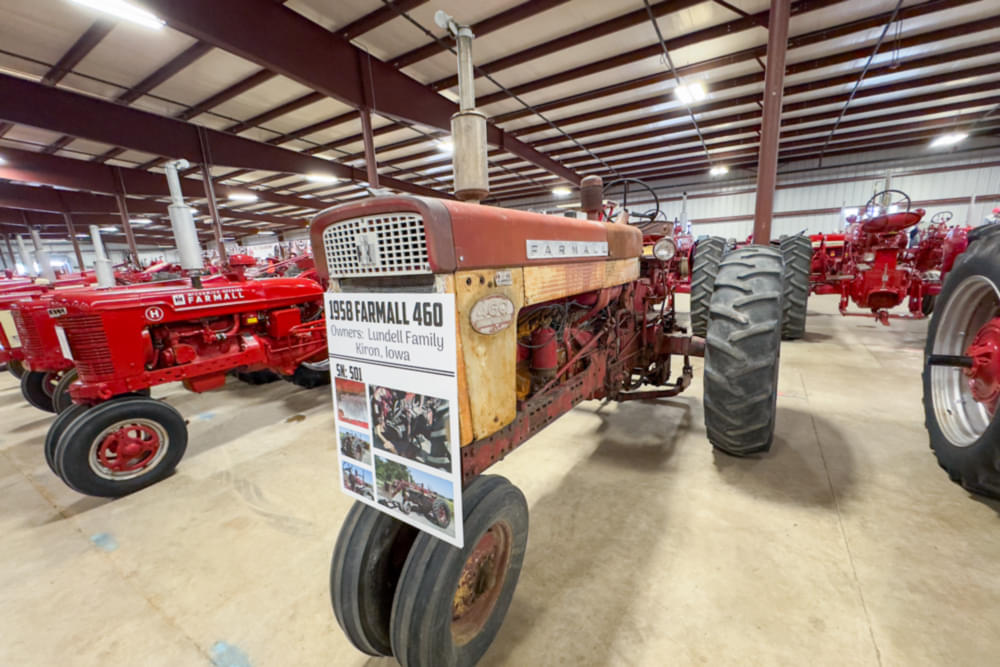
x: 770, y: 131
x: 72, y: 237
x: 123, y: 212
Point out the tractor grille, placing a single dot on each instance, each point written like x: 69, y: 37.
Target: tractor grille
x: 31, y: 341
x: 89, y: 344
x: 390, y: 244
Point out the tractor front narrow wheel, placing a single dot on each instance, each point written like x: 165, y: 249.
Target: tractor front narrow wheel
x: 927, y: 304
x: 60, y: 395
x: 311, y: 374
x: 705, y: 266
x: 797, y: 252
x: 37, y: 388
x: 56, y: 429
x: 441, y: 513
x: 961, y: 375
x: 367, y: 559
x: 265, y: 376
x: 451, y: 602
x: 121, y: 446
x: 16, y: 368
x: 742, y: 352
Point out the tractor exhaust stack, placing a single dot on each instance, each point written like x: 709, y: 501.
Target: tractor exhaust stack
x: 102, y: 265
x: 42, y: 255
x: 26, y: 259
x: 182, y: 220
x: 468, y: 125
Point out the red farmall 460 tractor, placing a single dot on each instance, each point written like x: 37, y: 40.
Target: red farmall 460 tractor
x: 124, y: 340
x: 590, y: 317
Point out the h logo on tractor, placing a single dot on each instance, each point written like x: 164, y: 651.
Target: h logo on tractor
x: 366, y: 245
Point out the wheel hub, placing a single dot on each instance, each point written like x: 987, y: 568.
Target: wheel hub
x: 984, y: 376
x: 480, y: 582
x: 129, y: 448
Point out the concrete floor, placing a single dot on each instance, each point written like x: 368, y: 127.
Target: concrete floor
x: 845, y: 545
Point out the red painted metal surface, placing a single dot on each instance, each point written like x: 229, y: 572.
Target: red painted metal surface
x: 984, y: 376
x: 127, y: 339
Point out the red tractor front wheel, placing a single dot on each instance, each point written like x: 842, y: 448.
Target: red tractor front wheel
x: 121, y: 446
x: 450, y: 602
x: 37, y: 388
x: 962, y: 373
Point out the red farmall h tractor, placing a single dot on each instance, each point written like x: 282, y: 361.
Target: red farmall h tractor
x: 961, y: 377
x: 872, y: 264
x: 124, y: 340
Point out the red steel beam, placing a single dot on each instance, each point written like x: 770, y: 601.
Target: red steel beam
x: 288, y: 43
x: 505, y: 18
x: 77, y: 115
x: 374, y: 19
x: 97, y: 31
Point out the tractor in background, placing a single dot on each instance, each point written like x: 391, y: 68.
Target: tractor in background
x: 115, y: 440
x: 872, y: 264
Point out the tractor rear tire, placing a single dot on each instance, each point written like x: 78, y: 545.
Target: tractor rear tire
x: 964, y: 437
x: 447, y: 611
x: 265, y: 376
x: 89, y: 445
x: 16, y: 368
x: 56, y: 429
x: 309, y: 375
x: 60, y: 395
x: 705, y: 267
x: 743, y: 349
x: 36, y: 387
x: 367, y: 558
x: 797, y: 253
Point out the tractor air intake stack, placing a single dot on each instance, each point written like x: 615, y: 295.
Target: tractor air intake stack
x: 102, y: 265
x: 42, y: 255
x: 182, y: 223
x: 468, y: 126
x: 26, y: 260
x: 592, y: 196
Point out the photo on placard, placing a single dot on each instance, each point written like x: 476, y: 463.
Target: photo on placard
x: 351, y: 402
x: 355, y: 444
x: 411, y: 425
x: 358, y: 480
x: 426, y: 499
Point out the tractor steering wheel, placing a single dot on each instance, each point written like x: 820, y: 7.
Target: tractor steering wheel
x: 881, y: 202
x: 649, y: 215
x: 941, y: 218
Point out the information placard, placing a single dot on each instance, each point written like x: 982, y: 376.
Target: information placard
x: 393, y: 362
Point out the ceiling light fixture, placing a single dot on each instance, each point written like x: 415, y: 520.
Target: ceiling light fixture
x: 949, y: 139
x: 689, y: 93
x: 446, y: 146
x: 109, y: 228
x: 562, y: 191
x: 322, y: 178
x: 242, y: 196
x: 140, y: 221
x: 2, y: 161
x: 125, y: 10
x: 719, y: 170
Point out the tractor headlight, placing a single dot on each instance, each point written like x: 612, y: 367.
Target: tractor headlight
x: 665, y: 249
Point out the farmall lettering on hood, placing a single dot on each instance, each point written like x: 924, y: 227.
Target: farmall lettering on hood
x: 207, y: 297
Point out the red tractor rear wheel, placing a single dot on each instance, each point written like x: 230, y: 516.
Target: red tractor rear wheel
x: 121, y: 446
x: 742, y: 351
x: 451, y: 602
x: 704, y: 268
x: 962, y: 376
x: 367, y: 559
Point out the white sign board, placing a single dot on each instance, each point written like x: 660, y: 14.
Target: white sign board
x: 393, y: 362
